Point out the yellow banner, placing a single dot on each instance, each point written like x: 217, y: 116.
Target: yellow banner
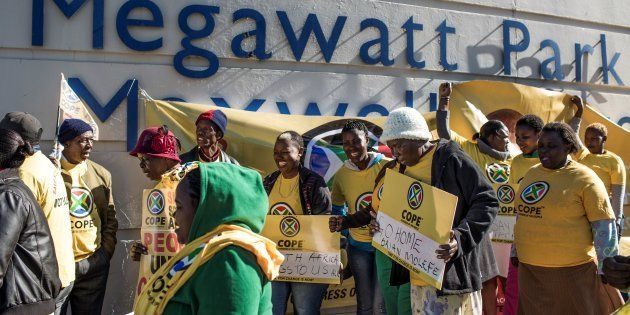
x: 251, y: 135
x: 337, y: 297
x: 311, y: 252
x: 502, y: 229
x: 414, y: 218
x: 157, y: 232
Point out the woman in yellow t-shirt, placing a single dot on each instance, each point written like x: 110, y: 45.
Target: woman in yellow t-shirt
x: 565, y: 223
x: 608, y: 166
x: 352, y: 190
x: 527, y: 129
x: 295, y: 190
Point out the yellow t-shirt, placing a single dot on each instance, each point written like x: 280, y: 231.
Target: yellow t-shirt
x: 520, y: 166
x: 555, y: 208
x: 354, y: 188
x: 497, y: 171
x: 47, y: 185
x: 84, y: 218
x: 284, y: 198
x: 609, y: 168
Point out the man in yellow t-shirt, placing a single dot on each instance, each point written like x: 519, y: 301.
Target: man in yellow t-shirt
x: 92, y: 217
x: 608, y: 166
x: 46, y: 183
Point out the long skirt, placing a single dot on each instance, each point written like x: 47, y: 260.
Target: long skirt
x: 564, y: 290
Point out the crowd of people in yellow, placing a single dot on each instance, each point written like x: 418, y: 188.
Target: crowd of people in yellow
x: 59, y: 223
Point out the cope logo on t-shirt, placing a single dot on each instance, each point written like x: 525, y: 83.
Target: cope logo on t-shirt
x: 81, y: 203
x: 505, y: 193
x: 281, y: 208
x: 534, y: 192
x: 363, y: 201
x: 498, y: 173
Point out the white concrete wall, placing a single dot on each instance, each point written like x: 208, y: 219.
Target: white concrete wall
x: 29, y: 75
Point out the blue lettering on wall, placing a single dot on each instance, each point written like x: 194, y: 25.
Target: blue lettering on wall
x: 606, y: 66
x: 409, y: 27
x: 123, y: 23
x: 298, y: 37
x: 189, y: 50
x: 260, y: 33
x: 579, y: 52
x: 128, y: 91
x: 555, y: 59
x: 508, y: 47
x: 327, y: 46
x: 68, y: 9
x: 444, y: 30
x: 382, y: 41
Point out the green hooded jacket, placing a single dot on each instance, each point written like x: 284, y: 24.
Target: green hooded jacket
x: 231, y: 282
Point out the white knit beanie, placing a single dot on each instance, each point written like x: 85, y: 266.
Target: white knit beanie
x: 405, y: 123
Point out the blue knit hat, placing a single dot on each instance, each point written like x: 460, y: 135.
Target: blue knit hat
x: 72, y: 128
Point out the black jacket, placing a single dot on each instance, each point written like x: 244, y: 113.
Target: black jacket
x: 455, y: 172
x: 314, y: 194
x: 193, y: 155
x: 29, y: 279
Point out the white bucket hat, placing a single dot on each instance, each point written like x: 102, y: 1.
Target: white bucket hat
x: 405, y: 123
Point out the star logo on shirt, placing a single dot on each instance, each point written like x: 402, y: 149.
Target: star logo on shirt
x: 498, y: 173
x: 155, y: 202
x: 534, y: 192
x: 281, y: 208
x: 363, y: 202
x: 505, y: 194
x: 415, y: 195
x: 289, y: 226
x: 81, y: 202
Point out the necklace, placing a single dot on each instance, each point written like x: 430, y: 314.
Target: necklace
x: 291, y: 189
x: 206, y: 158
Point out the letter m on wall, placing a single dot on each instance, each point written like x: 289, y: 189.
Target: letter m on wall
x: 128, y: 90
x: 68, y: 9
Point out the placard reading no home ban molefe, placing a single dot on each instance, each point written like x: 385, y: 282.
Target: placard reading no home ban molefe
x: 311, y: 252
x: 414, y: 219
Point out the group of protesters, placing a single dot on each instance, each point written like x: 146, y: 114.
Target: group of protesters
x: 59, y: 222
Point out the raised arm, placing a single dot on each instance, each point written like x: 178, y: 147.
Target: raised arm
x: 442, y: 115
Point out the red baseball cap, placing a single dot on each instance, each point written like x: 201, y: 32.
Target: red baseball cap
x: 157, y: 142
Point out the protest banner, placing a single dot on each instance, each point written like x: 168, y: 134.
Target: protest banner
x: 414, y: 219
x: 250, y: 136
x: 311, y: 252
x: 157, y: 232
x: 339, y: 298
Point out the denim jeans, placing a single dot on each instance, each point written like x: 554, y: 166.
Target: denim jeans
x: 88, y: 291
x: 369, y: 297
x: 307, y: 297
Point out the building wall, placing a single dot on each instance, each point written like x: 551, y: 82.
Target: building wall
x: 30, y: 71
